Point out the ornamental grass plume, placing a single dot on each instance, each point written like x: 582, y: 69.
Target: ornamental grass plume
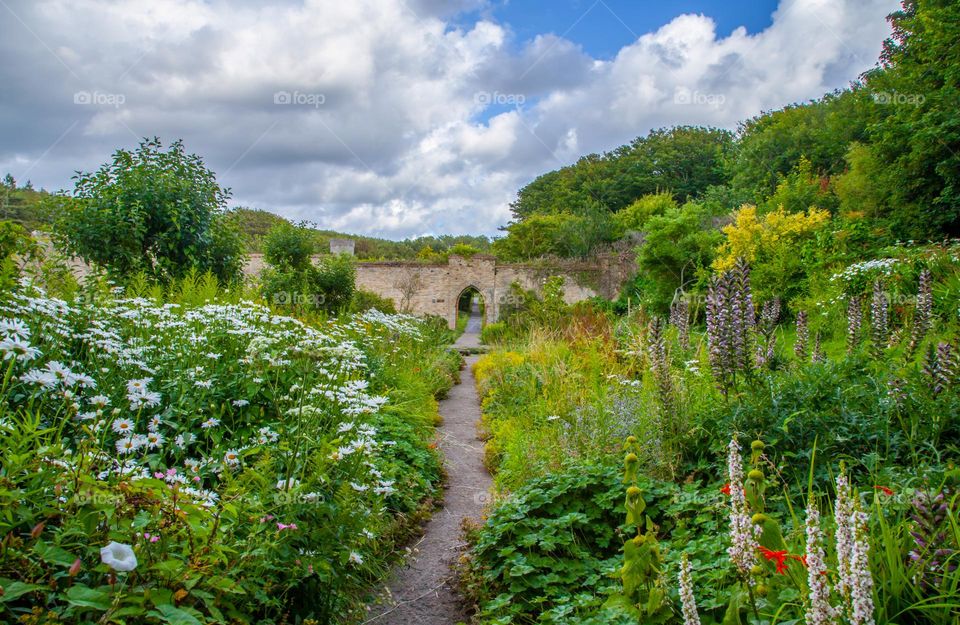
x: 879, y: 319
x: 801, y: 347
x: 923, y: 314
x: 743, y: 533
x: 819, y: 609
x: 688, y: 602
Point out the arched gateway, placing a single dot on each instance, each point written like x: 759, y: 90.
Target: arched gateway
x: 435, y: 289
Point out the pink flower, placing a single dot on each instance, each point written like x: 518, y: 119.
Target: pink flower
x: 286, y: 526
x: 158, y: 475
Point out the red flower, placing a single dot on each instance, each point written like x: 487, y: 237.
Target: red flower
x: 779, y: 557
x: 801, y: 559
x: 726, y: 489
x: 886, y: 491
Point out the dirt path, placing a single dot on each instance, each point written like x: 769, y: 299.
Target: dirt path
x: 421, y: 592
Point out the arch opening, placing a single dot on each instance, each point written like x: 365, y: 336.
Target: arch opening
x: 470, y: 310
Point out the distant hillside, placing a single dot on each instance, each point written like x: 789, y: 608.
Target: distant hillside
x: 255, y: 223
x: 23, y: 205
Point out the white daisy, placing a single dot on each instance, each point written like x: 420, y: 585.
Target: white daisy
x: 123, y: 426
x: 126, y: 445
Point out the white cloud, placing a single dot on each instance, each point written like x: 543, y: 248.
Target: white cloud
x: 383, y: 135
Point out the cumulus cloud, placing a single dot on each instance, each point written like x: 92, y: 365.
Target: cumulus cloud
x: 382, y: 116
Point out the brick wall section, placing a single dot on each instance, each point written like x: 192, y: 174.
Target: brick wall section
x: 433, y: 289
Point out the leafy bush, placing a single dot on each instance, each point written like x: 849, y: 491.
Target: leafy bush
x: 364, y: 300
x: 551, y: 536
x: 152, y: 210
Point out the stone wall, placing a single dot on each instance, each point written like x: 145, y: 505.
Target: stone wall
x: 434, y: 289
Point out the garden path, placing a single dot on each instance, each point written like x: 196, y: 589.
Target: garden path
x: 423, y: 590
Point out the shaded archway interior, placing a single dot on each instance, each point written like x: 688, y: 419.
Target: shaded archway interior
x: 470, y: 303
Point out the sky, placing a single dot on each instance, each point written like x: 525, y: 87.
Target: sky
x: 400, y: 118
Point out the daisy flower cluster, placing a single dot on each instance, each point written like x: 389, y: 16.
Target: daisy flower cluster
x: 192, y: 397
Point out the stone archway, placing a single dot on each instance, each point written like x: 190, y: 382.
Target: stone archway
x: 483, y: 306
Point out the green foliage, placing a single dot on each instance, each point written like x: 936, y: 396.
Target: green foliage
x: 153, y: 210
x: 677, y: 250
x: 24, y: 205
x: 288, y: 247
x: 914, y: 131
x: 294, y: 281
x: 556, y: 234
x: 245, y: 508
x: 364, y: 300
x: 635, y: 216
x: 551, y: 536
x: 683, y: 160
x: 771, y: 146
x: 463, y: 249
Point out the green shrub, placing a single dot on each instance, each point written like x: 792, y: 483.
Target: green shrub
x: 152, y: 210
x: 364, y: 300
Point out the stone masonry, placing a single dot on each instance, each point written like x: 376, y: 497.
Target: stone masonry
x: 434, y: 289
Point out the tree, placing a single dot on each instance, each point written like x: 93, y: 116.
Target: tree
x: 288, y: 247
x: 770, y: 146
x: 916, y: 135
x: 635, y: 216
x: 684, y: 161
x: 152, y: 210
x: 678, y: 248
x: 563, y: 234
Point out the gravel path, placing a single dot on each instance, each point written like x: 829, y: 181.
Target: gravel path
x: 422, y: 592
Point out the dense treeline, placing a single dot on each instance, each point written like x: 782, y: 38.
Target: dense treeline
x: 856, y: 170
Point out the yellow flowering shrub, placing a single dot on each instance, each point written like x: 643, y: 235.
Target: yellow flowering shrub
x: 772, y: 244
x: 754, y: 237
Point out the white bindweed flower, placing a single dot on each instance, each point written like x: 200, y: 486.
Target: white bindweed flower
x: 119, y: 557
